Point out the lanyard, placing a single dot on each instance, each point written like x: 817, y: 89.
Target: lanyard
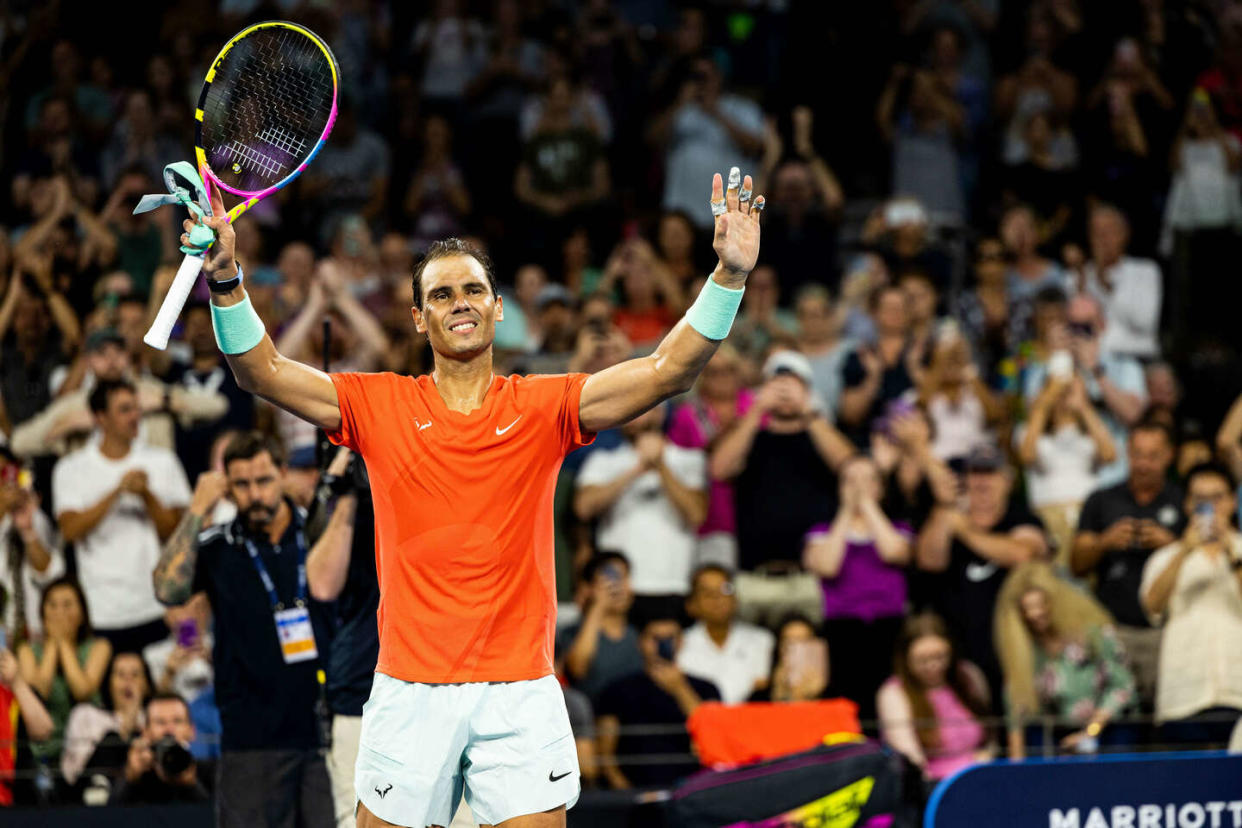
x: 300, y: 599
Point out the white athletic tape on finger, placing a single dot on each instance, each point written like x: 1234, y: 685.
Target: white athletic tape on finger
x: 719, y: 208
x: 745, y: 194
x: 735, y: 178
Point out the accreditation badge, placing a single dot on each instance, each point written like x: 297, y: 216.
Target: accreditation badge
x: 297, y: 638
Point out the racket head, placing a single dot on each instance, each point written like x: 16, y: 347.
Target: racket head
x: 267, y: 106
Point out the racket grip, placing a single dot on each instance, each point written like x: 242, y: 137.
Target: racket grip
x: 161, y: 328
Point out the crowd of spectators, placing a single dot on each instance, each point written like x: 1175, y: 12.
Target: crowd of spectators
x: 969, y: 457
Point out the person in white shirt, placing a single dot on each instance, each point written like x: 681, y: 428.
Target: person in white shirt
x: 1195, y: 586
x: 1061, y: 445
x: 1129, y: 289
x: 705, y: 129
x: 733, y: 655
x: 105, y: 501
x: 30, y: 557
x: 649, y: 496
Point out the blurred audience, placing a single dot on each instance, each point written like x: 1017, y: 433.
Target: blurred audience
x: 932, y: 708
x: 107, y: 506
x: 1118, y: 529
x: 1061, y: 657
x: 649, y: 496
x: 65, y: 668
x: 860, y: 557
x: 732, y: 654
x: 1194, y: 586
x: 632, y: 710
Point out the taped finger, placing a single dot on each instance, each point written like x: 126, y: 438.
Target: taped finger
x: 757, y: 207
x: 735, y: 182
x: 719, y: 208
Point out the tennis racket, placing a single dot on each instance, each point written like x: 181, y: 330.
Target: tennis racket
x: 266, y: 109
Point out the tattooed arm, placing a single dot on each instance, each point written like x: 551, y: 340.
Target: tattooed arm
x: 174, y: 574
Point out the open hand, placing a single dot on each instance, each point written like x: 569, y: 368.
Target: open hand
x: 736, y: 239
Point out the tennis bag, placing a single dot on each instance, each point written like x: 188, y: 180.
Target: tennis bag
x: 856, y: 784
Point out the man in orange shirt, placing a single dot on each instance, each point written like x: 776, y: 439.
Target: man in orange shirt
x: 463, y: 465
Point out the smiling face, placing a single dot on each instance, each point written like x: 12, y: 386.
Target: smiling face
x: 459, y: 312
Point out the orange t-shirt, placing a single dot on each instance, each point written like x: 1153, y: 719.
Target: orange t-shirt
x: 464, y: 545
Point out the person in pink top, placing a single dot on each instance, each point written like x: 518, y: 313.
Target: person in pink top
x: 932, y: 708
x: 718, y: 400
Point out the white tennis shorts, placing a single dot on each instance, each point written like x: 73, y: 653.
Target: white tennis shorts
x: 506, y: 744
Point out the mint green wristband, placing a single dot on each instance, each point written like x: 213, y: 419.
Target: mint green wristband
x: 238, y: 328
x: 713, y: 312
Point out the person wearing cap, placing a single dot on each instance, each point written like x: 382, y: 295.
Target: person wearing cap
x: 782, y: 455
x: 61, y: 426
x: 649, y: 497
x: 972, y: 546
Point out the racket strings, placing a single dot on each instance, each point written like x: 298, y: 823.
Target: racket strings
x: 266, y: 109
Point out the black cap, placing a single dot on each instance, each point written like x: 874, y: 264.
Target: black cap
x: 100, y: 337
x: 985, y: 458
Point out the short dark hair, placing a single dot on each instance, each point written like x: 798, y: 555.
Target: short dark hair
x: 657, y: 609
x: 443, y: 249
x: 1051, y: 296
x: 197, y: 305
x: 601, y: 559
x: 703, y: 569
x: 103, y: 391
x: 166, y: 695
x: 1154, y: 424
x: 105, y: 687
x: 873, y: 301
x: 250, y: 444
x: 1209, y: 469
x: 84, y: 629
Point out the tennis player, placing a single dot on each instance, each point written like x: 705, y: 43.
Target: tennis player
x: 463, y: 464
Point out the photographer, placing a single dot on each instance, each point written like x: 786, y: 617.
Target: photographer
x: 341, y: 568
x: 160, y: 768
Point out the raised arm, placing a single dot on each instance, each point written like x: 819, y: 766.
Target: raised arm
x: 327, y: 566
x: 620, y: 393
x: 173, y: 577
x: 301, y: 390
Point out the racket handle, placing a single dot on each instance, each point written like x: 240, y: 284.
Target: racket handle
x: 162, y: 327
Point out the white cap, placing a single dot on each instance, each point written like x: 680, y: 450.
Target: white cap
x: 788, y: 362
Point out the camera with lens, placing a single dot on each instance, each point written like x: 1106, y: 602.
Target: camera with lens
x: 171, y: 757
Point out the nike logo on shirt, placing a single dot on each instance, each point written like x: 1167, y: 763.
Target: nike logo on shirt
x: 500, y: 431
x: 552, y: 778
x: 978, y: 572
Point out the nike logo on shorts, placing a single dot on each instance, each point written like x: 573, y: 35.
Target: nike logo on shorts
x: 552, y: 778
x: 500, y: 431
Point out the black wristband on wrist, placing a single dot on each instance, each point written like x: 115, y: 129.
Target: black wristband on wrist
x: 226, y: 285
